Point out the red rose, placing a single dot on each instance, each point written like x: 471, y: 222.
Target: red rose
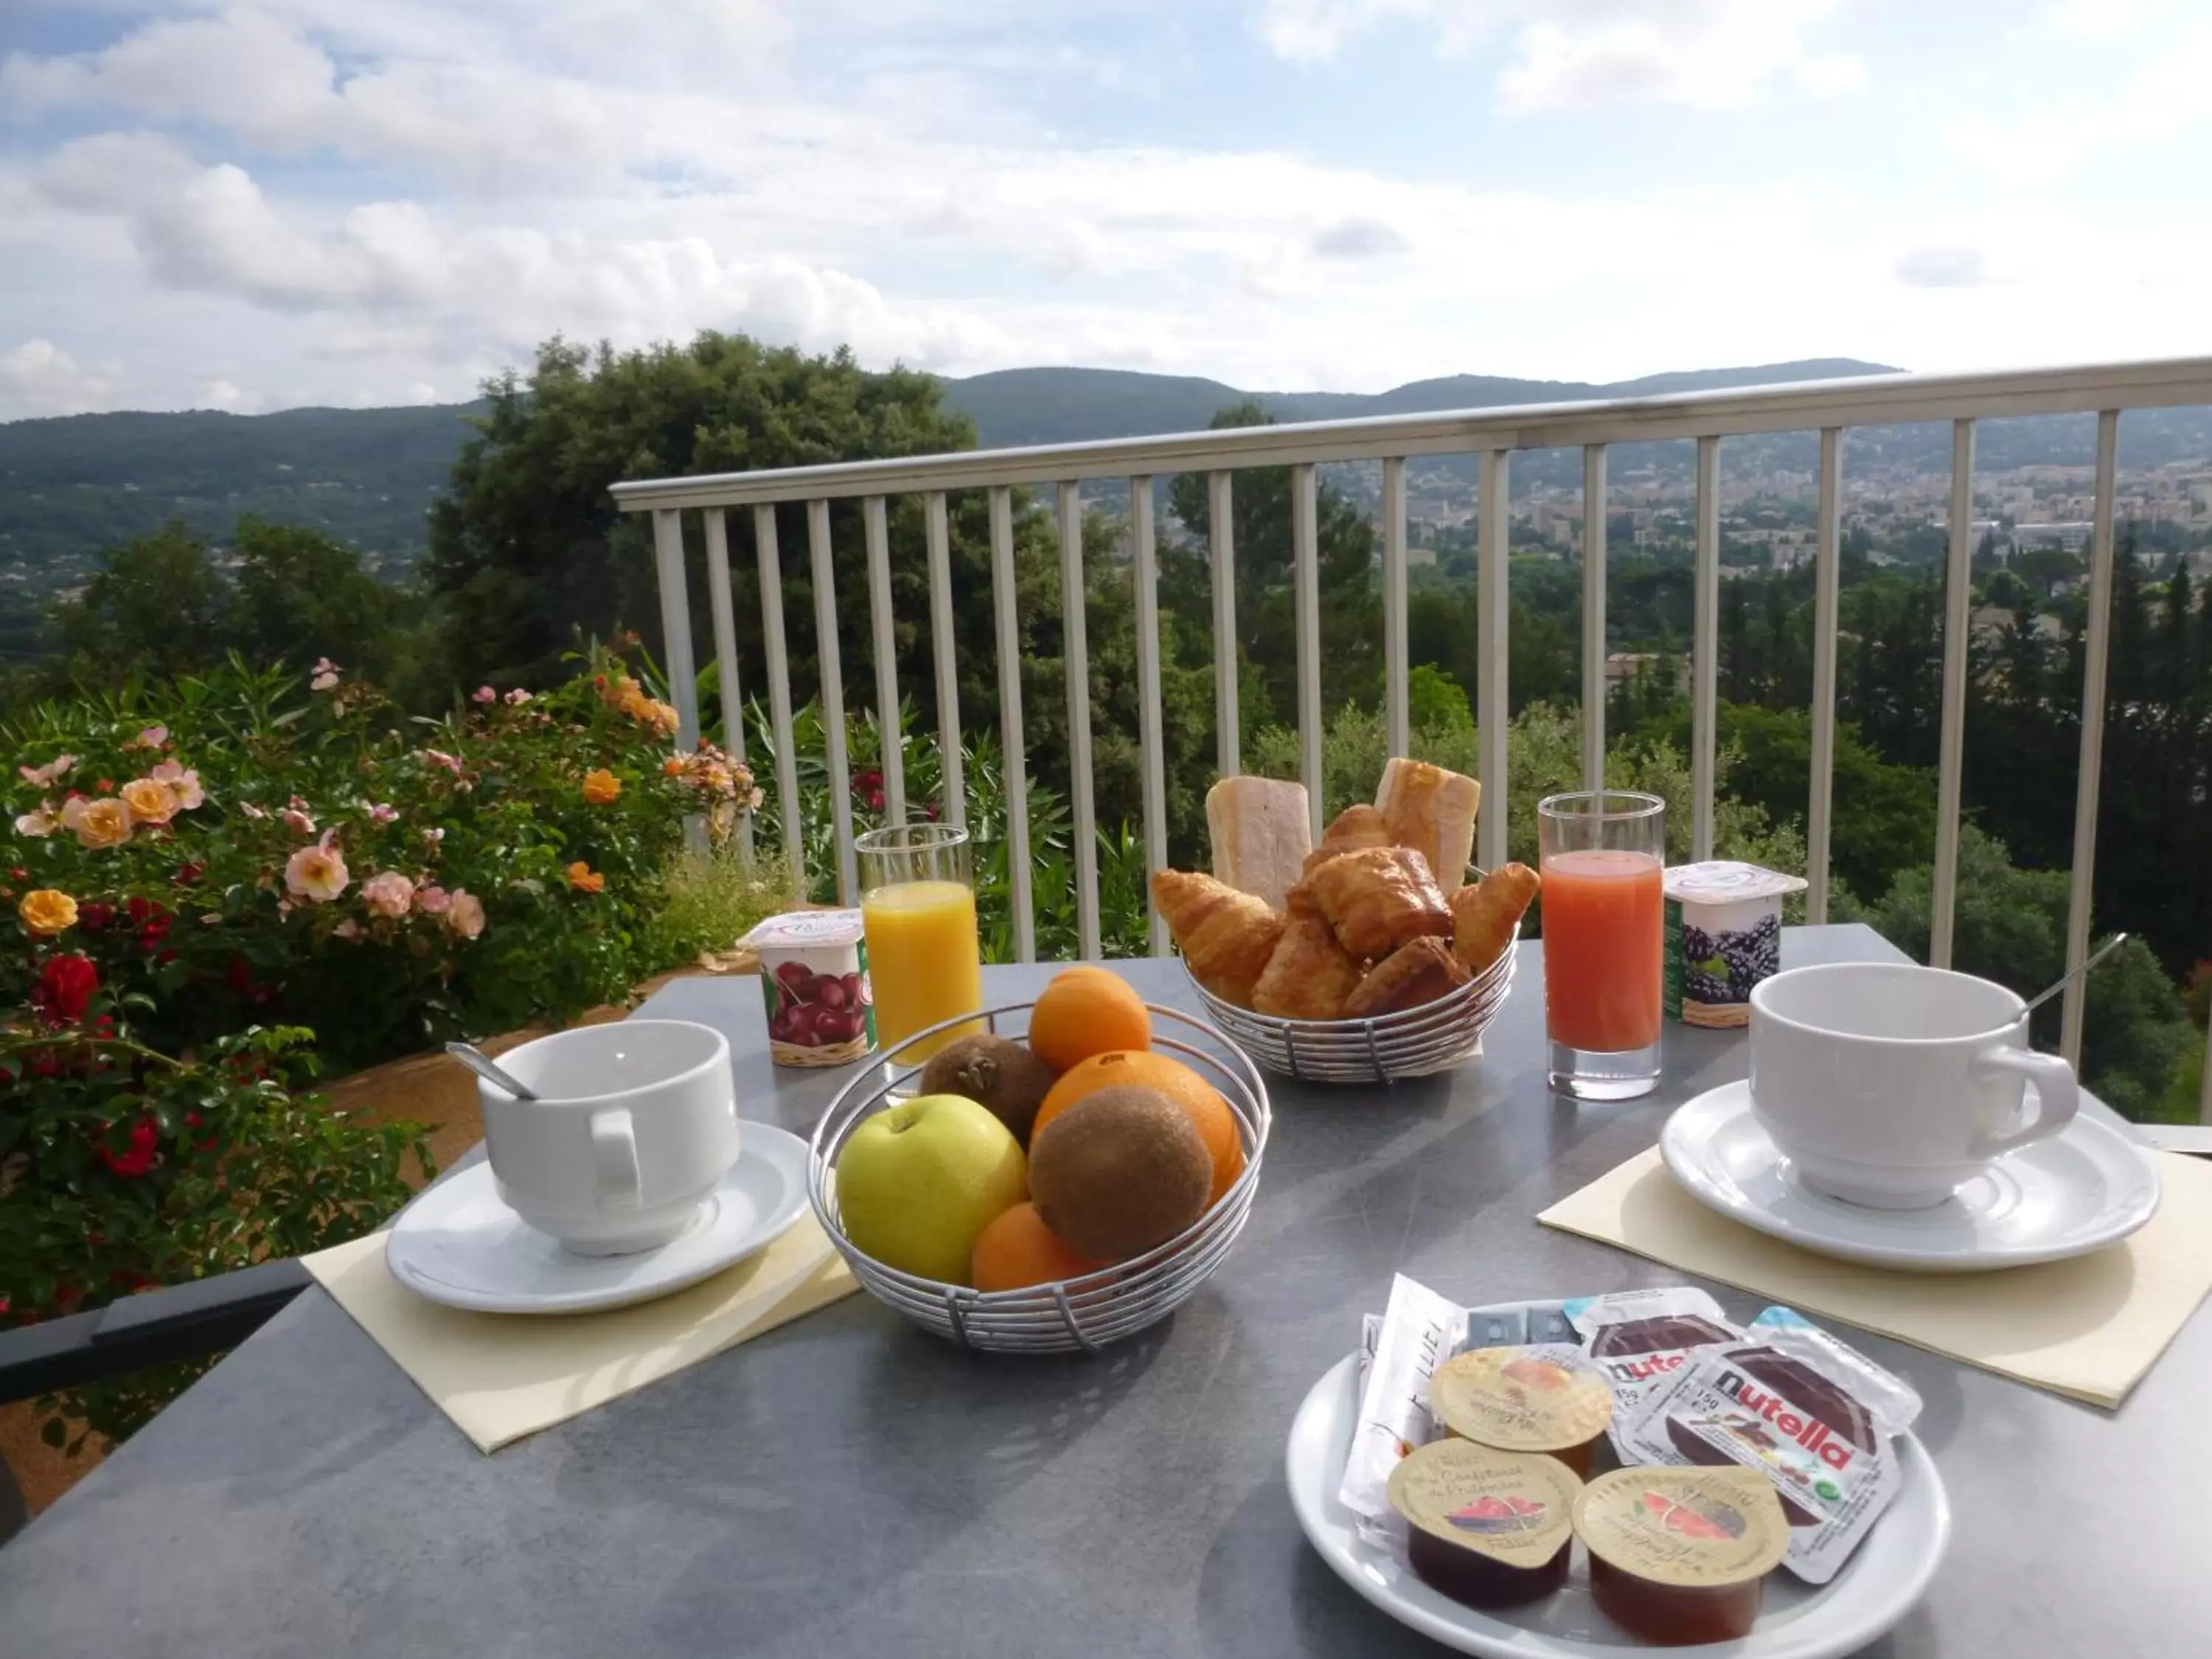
x: 95, y: 917
x: 188, y: 875
x: 145, y: 1135
x: 65, y: 987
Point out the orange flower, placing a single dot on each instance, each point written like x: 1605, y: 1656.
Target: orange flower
x: 98, y: 823
x: 151, y: 801
x: 674, y: 766
x: 583, y: 878
x: 47, y: 911
x: 601, y: 787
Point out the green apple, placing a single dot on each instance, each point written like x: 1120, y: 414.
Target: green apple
x: 919, y: 1180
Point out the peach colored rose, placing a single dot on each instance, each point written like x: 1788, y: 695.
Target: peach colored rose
x: 327, y: 675
x: 153, y: 737
x: 102, y: 822
x: 347, y: 929
x: 464, y: 913
x: 38, y: 777
x: 183, y: 782
x: 47, y: 911
x: 149, y: 801
x: 40, y: 820
x: 317, y: 872
x: 388, y: 893
x: 584, y: 879
x: 601, y: 787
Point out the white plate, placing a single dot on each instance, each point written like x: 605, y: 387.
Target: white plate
x: 2085, y: 1188
x: 459, y: 1245
x: 1875, y: 1589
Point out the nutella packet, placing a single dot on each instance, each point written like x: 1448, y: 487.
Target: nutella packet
x: 1811, y: 1413
x: 1640, y: 1337
x: 1419, y: 1330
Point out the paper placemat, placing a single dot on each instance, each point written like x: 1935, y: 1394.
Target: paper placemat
x: 501, y: 1377
x: 2089, y: 1327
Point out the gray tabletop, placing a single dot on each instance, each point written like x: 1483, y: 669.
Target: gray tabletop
x: 850, y: 1485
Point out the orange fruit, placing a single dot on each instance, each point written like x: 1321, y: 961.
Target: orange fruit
x: 1085, y: 1011
x: 1208, y: 1112
x: 1017, y: 1249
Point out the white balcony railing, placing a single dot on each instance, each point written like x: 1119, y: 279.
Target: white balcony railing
x: 1830, y: 407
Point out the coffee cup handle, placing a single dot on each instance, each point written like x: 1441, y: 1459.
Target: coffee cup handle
x: 614, y: 1156
x: 2058, y: 1093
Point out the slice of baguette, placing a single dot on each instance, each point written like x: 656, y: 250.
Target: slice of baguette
x: 1431, y: 811
x: 1261, y: 833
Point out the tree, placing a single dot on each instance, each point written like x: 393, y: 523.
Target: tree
x: 156, y: 605
x: 527, y: 547
x: 296, y: 596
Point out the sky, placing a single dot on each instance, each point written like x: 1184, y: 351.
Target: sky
x: 257, y: 205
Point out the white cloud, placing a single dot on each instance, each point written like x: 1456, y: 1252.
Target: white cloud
x: 2097, y: 20
x: 1940, y: 265
x: 1709, y: 54
x: 2147, y: 109
x: 38, y: 378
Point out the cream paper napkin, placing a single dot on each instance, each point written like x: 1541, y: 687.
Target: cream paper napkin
x: 501, y: 1377
x: 2089, y: 1327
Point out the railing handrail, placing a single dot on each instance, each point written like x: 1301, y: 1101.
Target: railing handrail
x: 1801, y: 405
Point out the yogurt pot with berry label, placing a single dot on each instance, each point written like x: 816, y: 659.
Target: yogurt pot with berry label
x: 1723, y: 936
x: 814, y: 978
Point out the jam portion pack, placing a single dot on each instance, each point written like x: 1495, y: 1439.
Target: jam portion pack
x: 1812, y: 1414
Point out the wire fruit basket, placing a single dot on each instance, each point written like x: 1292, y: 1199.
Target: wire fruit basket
x: 1433, y: 1037
x: 1075, y: 1316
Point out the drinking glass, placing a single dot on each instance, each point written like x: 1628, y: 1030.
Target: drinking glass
x: 1602, y: 852
x: 918, y: 910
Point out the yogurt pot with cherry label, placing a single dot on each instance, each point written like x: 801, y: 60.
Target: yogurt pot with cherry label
x: 814, y: 978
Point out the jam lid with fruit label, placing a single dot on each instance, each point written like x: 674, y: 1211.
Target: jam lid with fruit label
x: 1691, y: 1528
x: 797, y: 929
x: 1515, y: 1507
x: 1543, y: 1398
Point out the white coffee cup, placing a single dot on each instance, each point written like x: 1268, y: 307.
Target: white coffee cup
x: 637, y: 1124
x: 1891, y: 1086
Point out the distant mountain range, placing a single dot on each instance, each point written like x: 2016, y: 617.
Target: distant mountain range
x: 72, y: 485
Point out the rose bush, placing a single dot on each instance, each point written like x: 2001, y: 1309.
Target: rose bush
x: 214, y: 887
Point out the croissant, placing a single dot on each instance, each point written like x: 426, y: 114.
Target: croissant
x: 1483, y: 916
x: 1226, y: 935
x: 1378, y: 898
x: 1416, y: 972
x: 1308, y: 976
x: 1352, y: 829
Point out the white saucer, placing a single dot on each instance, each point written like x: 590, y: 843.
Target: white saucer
x: 458, y: 1244
x: 1875, y: 1589
x: 2085, y: 1188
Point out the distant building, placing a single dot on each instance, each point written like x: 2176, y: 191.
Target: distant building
x: 2072, y: 535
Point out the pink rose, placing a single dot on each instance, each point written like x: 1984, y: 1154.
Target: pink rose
x: 327, y: 675
x: 251, y: 810
x: 438, y: 757
x: 52, y: 772
x: 184, y: 783
x: 317, y: 872
x: 484, y: 694
x: 382, y: 812
x: 517, y: 697
x: 298, y: 822
x: 153, y: 737
x: 347, y: 929
x: 388, y: 893
x: 464, y: 913
x: 40, y: 820
x: 433, y: 900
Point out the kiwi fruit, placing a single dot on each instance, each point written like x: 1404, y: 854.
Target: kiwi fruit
x: 1119, y: 1171
x: 998, y: 1073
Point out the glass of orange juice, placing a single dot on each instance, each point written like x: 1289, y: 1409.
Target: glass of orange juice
x: 918, y: 907
x: 1604, y: 930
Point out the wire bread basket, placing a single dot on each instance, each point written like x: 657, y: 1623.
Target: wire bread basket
x: 1076, y: 1315
x: 1433, y: 1037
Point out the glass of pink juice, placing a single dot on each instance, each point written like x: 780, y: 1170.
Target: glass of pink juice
x: 1604, y: 931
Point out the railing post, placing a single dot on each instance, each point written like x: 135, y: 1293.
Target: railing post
x: 1593, y: 535
x: 1704, y: 651
x: 1219, y: 505
x: 725, y: 651
x: 1493, y: 556
x: 1305, y: 576
x: 779, y: 691
x: 1085, y: 830
x: 1827, y: 579
x: 2088, y: 775
x: 1144, y: 559
x: 890, y: 735
x: 1014, y: 768
x: 2204, y: 1094
x: 1951, y: 739
x: 943, y: 647
x: 1396, y: 674
x: 833, y: 698
x: 675, y: 625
